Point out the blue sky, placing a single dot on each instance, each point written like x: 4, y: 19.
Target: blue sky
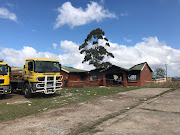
x: 139, y: 30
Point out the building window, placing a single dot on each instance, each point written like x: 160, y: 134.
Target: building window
x: 93, y: 77
x: 83, y: 78
x: 132, y: 78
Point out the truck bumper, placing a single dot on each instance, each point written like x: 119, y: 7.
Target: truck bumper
x: 47, y: 86
x: 50, y: 90
x: 5, y: 90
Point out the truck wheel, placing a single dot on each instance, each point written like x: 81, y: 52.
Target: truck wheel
x: 12, y: 88
x: 27, y: 91
x: 3, y: 95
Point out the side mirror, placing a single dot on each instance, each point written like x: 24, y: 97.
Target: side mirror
x: 24, y: 66
x: 9, y: 69
x: 30, y: 66
x: 60, y: 67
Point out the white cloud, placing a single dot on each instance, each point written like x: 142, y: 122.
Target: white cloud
x: 127, y: 40
x: 33, y: 30
x: 124, y: 14
x: 72, y: 55
x: 149, y: 50
x: 6, y: 14
x: 18, y: 57
x: 102, y: 1
x: 73, y: 16
x: 54, y: 45
x: 69, y: 46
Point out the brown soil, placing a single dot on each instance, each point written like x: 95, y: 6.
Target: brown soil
x: 69, y: 119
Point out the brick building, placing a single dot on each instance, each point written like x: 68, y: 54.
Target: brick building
x: 106, y: 77
x: 76, y: 77
x: 138, y: 75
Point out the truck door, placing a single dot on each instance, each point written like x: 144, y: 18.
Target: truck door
x: 29, y: 71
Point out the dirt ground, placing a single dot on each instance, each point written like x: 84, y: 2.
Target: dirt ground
x: 158, y: 116
x: 131, y: 113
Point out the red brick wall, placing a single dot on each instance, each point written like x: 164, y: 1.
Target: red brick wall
x: 73, y: 78
x: 94, y: 83
x: 64, y: 77
x: 135, y: 83
x: 125, y: 80
x: 145, y: 76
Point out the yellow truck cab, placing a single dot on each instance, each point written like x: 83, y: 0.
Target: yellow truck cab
x: 37, y: 76
x: 4, y: 79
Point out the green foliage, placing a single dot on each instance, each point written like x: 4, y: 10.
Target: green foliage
x: 159, y: 73
x: 95, y: 54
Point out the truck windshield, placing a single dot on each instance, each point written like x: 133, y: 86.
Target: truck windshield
x: 46, y: 66
x: 3, y: 70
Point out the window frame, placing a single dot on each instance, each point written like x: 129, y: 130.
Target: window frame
x: 93, y: 78
x: 133, y: 79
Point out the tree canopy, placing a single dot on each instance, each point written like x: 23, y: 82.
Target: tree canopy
x: 94, y: 50
x: 159, y: 73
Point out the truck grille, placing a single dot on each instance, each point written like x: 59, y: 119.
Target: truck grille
x: 49, y: 84
x: 1, y: 81
x: 48, y: 78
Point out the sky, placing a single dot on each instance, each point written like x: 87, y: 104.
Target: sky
x: 138, y: 31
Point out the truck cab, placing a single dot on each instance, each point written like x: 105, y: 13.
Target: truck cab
x: 37, y: 76
x: 4, y: 79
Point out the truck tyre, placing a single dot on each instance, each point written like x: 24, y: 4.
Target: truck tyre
x: 27, y: 91
x: 12, y: 88
x: 3, y: 95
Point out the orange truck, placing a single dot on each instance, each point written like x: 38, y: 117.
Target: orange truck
x: 37, y: 76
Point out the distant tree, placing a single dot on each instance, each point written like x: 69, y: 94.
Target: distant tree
x: 159, y: 73
x: 94, y: 50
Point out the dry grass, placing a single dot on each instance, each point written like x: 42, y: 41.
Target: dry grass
x: 173, y: 85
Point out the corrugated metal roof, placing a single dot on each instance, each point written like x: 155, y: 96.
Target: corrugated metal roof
x: 138, y: 66
x: 71, y: 69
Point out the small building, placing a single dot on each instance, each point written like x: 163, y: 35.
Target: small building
x: 163, y: 80
x: 76, y: 77
x: 138, y: 75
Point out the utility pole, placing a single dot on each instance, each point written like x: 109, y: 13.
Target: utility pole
x: 166, y: 72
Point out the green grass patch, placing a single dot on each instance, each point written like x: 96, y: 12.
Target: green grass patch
x: 40, y: 103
